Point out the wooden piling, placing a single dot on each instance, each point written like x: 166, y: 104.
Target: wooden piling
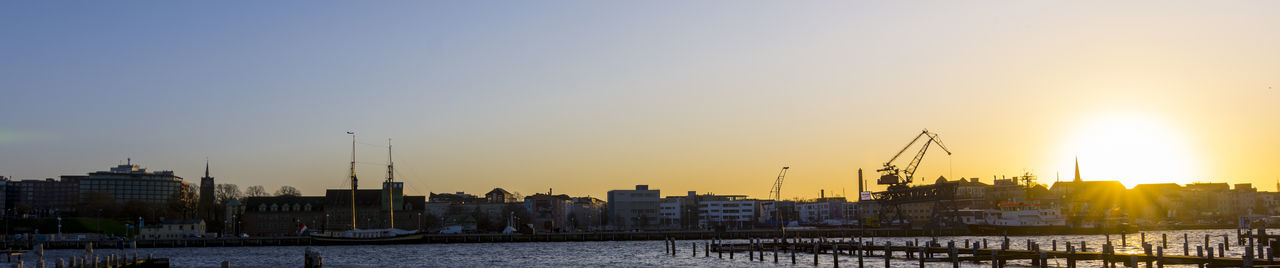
x: 835, y: 255
x: 1186, y: 245
x: 887, y: 253
x: 815, y: 254
x: 921, y: 256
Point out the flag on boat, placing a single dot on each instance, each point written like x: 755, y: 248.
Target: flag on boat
x: 302, y: 229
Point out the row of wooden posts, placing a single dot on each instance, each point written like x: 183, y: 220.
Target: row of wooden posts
x: 88, y: 259
x: 756, y: 250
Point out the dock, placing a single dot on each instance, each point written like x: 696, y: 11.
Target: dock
x: 1257, y: 253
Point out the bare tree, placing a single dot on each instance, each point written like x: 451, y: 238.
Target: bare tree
x: 255, y: 191
x: 288, y: 191
x: 225, y: 192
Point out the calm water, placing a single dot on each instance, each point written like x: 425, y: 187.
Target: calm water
x: 622, y: 253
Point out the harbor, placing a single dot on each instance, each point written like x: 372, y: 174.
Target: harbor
x: 741, y: 249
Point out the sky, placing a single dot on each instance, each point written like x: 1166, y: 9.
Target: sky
x: 582, y: 97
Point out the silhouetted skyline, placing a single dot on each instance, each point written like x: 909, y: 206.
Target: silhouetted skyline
x: 585, y: 97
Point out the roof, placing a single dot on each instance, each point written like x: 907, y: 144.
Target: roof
x: 315, y: 201
x: 498, y: 190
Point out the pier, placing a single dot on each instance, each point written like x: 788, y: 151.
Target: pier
x: 1258, y: 252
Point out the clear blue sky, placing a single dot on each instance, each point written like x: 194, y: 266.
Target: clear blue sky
x: 590, y: 96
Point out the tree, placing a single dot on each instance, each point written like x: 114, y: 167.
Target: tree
x: 98, y: 205
x: 134, y: 209
x: 288, y: 191
x: 183, y: 202
x: 255, y: 191
x: 225, y: 192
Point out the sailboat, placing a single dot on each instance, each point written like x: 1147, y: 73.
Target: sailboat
x: 358, y: 236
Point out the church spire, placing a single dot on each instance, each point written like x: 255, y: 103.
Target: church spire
x: 1077, y: 169
x: 206, y: 167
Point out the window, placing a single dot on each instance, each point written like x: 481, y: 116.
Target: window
x: 297, y: 207
x: 262, y: 207
x: 275, y: 207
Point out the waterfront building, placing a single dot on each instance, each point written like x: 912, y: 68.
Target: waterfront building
x: 1090, y: 203
x: 670, y: 212
x: 130, y: 182
x: 284, y: 215
x: 499, y: 195
x: 1156, y: 203
x: 770, y: 209
x: 634, y: 209
x: 45, y: 197
x: 549, y: 213
x: 971, y: 193
x: 823, y: 211
x: 472, y: 213
x: 588, y: 213
x: 234, y: 215
x: 4, y: 196
x: 726, y: 211
x: 370, y: 210
x: 454, y: 198
x: 173, y: 229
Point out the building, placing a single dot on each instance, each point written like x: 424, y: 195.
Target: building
x: 1090, y: 203
x: 823, y: 211
x: 549, y: 213
x: 45, y: 197
x: 1155, y: 203
x: 498, y: 195
x: 206, y: 208
x: 671, y: 213
x: 283, y: 215
x: 370, y: 210
x: 726, y: 212
x: 173, y: 229
x: 634, y: 209
x: 777, y: 213
x: 130, y: 182
x: 234, y: 215
x: 588, y: 213
x: 4, y: 197
x: 488, y: 214
x: 454, y: 198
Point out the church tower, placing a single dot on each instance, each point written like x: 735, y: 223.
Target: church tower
x: 208, y: 212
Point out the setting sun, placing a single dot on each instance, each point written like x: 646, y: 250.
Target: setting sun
x: 1132, y: 148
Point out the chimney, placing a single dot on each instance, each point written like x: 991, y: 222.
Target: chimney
x: 861, y: 183
x: 822, y: 193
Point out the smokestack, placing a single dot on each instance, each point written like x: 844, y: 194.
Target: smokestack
x: 822, y: 193
x: 861, y: 183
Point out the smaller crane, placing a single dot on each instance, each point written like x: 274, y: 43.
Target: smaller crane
x: 776, y: 192
x: 895, y: 178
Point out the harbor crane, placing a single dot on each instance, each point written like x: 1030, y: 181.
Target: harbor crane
x: 942, y: 194
x: 895, y: 178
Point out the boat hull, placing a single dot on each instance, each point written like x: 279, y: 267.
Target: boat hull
x: 401, y: 239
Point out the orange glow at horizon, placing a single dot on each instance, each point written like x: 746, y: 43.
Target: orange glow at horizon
x: 1132, y: 148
